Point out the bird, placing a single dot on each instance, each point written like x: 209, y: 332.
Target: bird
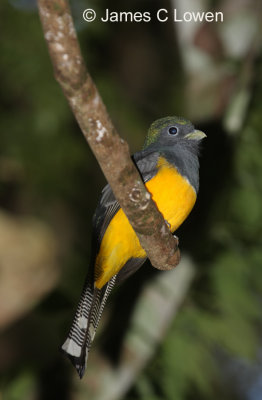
x: 169, y: 166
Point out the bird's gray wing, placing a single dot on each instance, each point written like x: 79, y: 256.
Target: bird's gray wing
x: 105, y: 211
x: 146, y: 164
x: 108, y: 205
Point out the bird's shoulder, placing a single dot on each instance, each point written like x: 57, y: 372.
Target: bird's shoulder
x: 146, y: 163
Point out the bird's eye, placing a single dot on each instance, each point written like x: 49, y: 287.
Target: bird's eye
x: 173, y: 130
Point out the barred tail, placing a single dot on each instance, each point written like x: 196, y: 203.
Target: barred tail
x: 83, y: 329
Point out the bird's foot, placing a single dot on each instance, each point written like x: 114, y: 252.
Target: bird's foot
x: 168, y: 224
x: 177, y: 238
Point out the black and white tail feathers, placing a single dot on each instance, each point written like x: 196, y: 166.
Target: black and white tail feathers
x: 83, y: 329
x: 92, y: 301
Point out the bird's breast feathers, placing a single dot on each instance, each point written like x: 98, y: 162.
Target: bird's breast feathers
x: 175, y: 198
x: 173, y: 194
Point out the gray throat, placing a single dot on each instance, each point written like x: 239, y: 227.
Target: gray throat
x: 185, y: 159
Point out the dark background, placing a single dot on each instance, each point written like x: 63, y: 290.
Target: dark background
x: 50, y: 183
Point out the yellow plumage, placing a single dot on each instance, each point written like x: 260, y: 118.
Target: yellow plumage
x: 175, y: 198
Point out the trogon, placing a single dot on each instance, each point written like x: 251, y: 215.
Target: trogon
x: 169, y: 167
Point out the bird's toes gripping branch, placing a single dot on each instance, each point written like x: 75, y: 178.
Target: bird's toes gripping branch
x: 177, y: 238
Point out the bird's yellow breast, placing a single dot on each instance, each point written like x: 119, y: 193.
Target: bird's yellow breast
x: 175, y: 198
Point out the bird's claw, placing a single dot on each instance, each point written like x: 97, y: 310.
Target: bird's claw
x: 176, y: 237
x: 168, y: 224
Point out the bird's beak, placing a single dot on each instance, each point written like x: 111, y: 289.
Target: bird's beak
x: 196, y: 135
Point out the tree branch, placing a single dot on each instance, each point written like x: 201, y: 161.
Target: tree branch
x: 110, y: 150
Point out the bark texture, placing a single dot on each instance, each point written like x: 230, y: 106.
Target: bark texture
x: 110, y: 150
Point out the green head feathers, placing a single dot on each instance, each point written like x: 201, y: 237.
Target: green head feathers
x: 160, y: 124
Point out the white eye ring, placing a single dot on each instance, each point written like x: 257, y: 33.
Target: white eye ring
x: 173, y: 130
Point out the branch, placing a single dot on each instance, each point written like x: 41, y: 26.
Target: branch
x: 110, y: 150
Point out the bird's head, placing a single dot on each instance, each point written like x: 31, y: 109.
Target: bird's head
x: 171, y: 131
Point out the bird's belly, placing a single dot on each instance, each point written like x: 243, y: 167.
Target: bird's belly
x: 173, y: 194
x: 175, y: 198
